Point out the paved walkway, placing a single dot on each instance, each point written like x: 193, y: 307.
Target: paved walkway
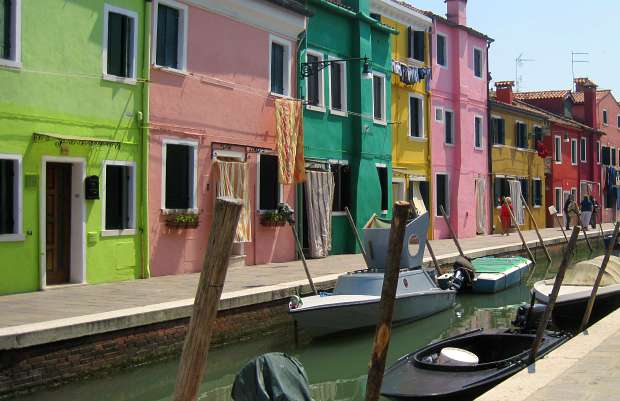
x: 161, y: 298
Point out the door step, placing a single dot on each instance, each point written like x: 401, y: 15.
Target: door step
x: 236, y: 261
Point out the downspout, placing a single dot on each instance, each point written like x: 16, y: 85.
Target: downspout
x: 146, y: 70
x: 490, y: 150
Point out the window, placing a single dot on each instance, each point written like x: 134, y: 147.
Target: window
x: 449, y: 131
x: 179, y: 174
x: 558, y: 201
x: 525, y: 189
x: 279, y: 67
x: 119, y: 196
x: 499, y: 130
x: 342, y: 187
x: 478, y: 132
x: 338, y: 87
x: 538, y: 136
x: 557, y: 149
x: 438, y: 114
x: 416, y: 116
x: 442, y: 51
x: 415, y: 48
x: 521, y: 135
x: 582, y: 150
x: 10, y: 198
x: 612, y: 151
x: 120, y: 42
x: 383, y: 182
x: 573, y: 151
x: 605, y: 117
x: 378, y: 97
x: 314, y: 83
x: 477, y: 63
x: 598, y: 152
x: 10, y: 32
x: 170, y: 35
x: 618, y: 120
x: 606, y: 156
x: 398, y: 189
x: 269, y: 194
x: 501, y: 189
x: 441, y: 184
x: 537, y: 192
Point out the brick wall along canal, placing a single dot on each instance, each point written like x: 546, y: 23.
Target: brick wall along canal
x: 336, y: 366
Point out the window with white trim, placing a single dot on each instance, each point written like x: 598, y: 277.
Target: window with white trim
x: 342, y: 186
x: 605, y: 122
x: 170, y: 36
x: 398, y: 189
x: 119, y: 195
x: 449, y: 129
x: 269, y: 190
x: 180, y: 172
x: 478, y: 127
x: 477, y: 62
x: 537, y: 192
x: 120, y: 43
x: 442, y: 50
x: 558, y: 201
x: 382, y: 172
x: 378, y: 97
x: 442, y: 194
x: 338, y: 87
x: 416, y: 116
x: 314, y: 83
x: 10, y: 196
x: 598, y: 152
x: 438, y: 114
x: 10, y: 32
x: 279, y: 66
x: 557, y: 149
x: 583, y: 150
x: 573, y: 151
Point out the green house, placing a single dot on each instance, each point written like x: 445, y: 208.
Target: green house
x: 72, y: 128
x: 347, y: 115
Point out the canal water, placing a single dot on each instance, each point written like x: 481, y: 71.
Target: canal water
x: 336, y: 366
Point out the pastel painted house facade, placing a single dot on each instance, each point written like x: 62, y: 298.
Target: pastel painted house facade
x: 459, y: 122
x: 212, y: 110
x: 70, y: 155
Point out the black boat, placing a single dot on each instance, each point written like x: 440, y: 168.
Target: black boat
x: 422, y: 375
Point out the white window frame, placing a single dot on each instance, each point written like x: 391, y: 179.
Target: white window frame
x: 453, y: 143
x: 321, y: 77
x: 343, y: 89
x: 441, y: 119
x: 605, y: 117
x: 193, y: 168
x: 132, y: 199
x: 573, y: 155
x: 446, y: 58
x: 107, y: 9
x: 481, y: 118
x: 15, y: 59
x: 182, y: 45
x: 598, y: 152
x: 421, y: 114
x: 288, y: 65
x: 402, y: 181
x: 383, y: 120
x: 559, y: 202
x: 542, y: 189
x: 280, y: 186
x: 583, y: 144
x: 473, y: 62
x: 435, y: 192
x: 557, y: 150
x: 18, y: 193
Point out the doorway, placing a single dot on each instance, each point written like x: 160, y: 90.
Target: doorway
x: 58, y: 223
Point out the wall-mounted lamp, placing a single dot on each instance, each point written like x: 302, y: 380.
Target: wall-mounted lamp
x: 310, y: 68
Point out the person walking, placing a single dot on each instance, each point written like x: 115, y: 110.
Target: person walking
x: 595, y: 210
x: 586, y: 212
x: 504, y: 215
x: 567, y: 208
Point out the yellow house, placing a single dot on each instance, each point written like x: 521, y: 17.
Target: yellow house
x: 410, y: 103
x: 516, y: 130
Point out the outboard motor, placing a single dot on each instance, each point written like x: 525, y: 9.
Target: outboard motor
x: 528, y: 317
x: 463, y: 274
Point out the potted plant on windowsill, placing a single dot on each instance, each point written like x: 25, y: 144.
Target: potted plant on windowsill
x: 182, y: 220
x: 272, y: 218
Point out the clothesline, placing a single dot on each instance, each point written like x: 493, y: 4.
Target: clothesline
x: 412, y: 75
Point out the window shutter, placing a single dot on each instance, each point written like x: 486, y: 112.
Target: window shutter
x: 167, y: 37
x: 410, y: 42
x: 277, y: 68
x: 336, y: 99
x: 419, y: 45
x: 502, y: 131
x: 378, y: 101
x: 5, y: 28
x: 313, y: 82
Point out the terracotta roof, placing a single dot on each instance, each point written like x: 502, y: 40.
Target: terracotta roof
x: 556, y: 118
x: 538, y: 95
x: 580, y: 98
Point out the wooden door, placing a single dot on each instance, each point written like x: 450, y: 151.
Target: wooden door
x: 58, y: 223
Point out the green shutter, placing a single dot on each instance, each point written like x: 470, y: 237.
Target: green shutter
x: 277, y: 68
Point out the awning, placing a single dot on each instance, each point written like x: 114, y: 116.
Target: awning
x: 74, y: 140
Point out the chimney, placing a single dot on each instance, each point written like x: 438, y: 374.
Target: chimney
x: 580, y: 82
x: 589, y: 103
x: 504, y: 91
x: 457, y: 11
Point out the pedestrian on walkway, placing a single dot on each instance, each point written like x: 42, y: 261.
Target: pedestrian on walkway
x: 595, y: 210
x: 504, y: 215
x: 586, y: 212
x: 568, y: 206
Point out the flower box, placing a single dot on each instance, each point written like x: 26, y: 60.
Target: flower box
x: 272, y: 219
x: 182, y: 220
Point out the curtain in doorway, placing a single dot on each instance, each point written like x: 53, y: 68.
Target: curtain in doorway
x: 481, y: 213
x: 233, y: 181
x: 517, y: 204
x: 290, y: 141
x: 417, y: 200
x: 320, y: 196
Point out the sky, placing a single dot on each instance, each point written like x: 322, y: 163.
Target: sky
x: 547, y: 31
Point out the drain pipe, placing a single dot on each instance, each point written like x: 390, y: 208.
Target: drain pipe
x: 490, y: 150
x: 144, y: 210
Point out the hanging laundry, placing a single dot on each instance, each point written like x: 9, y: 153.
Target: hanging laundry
x: 517, y: 203
x: 232, y: 180
x: 290, y: 141
x: 319, y: 189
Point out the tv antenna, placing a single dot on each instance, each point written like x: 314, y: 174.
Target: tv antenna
x: 519, y: 61
x: 574, y: 60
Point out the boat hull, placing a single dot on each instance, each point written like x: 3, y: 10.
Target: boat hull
x: 489, y: 283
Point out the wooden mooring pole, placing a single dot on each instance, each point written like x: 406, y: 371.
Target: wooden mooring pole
x: 514, y: 221
x: 599, y: 277
x: 566, y: 259
x: 584, y: 229
x: 435, y: 263
x: 303, y: 258
x: 542, y: 242
x: 356, y: 234
x: 456, y: 241
x: 386, y: 308
x: 196, y: 347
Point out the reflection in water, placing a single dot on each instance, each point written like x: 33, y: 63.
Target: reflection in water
x: 336, y: 366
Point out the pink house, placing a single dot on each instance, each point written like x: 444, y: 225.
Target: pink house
x: 459, y: 120
x: 217, y: 68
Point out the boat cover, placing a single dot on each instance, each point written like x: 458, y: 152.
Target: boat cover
x: 272, y: 377
x: 497, y: 265
x: 584, y: 273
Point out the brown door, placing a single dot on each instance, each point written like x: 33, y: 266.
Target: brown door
x: 58, y: 222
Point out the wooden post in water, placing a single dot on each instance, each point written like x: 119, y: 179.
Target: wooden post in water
x: 386, y: 308
x: 585, y: 234
x: 514, y: 221
x: 196, y: 347
x: 566, y: 258
x: 356, y: 234
x: 430, y: 250
x: 599, y: 277
x: 553, y: 212
x: 542, y: 242
x: 303, y: 257
x: 456, y: 241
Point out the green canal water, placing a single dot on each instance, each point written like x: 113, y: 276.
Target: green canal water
x: 336, y: 366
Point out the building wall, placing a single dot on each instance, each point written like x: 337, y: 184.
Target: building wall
x: 223, y: 97
x: 59, y: 90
